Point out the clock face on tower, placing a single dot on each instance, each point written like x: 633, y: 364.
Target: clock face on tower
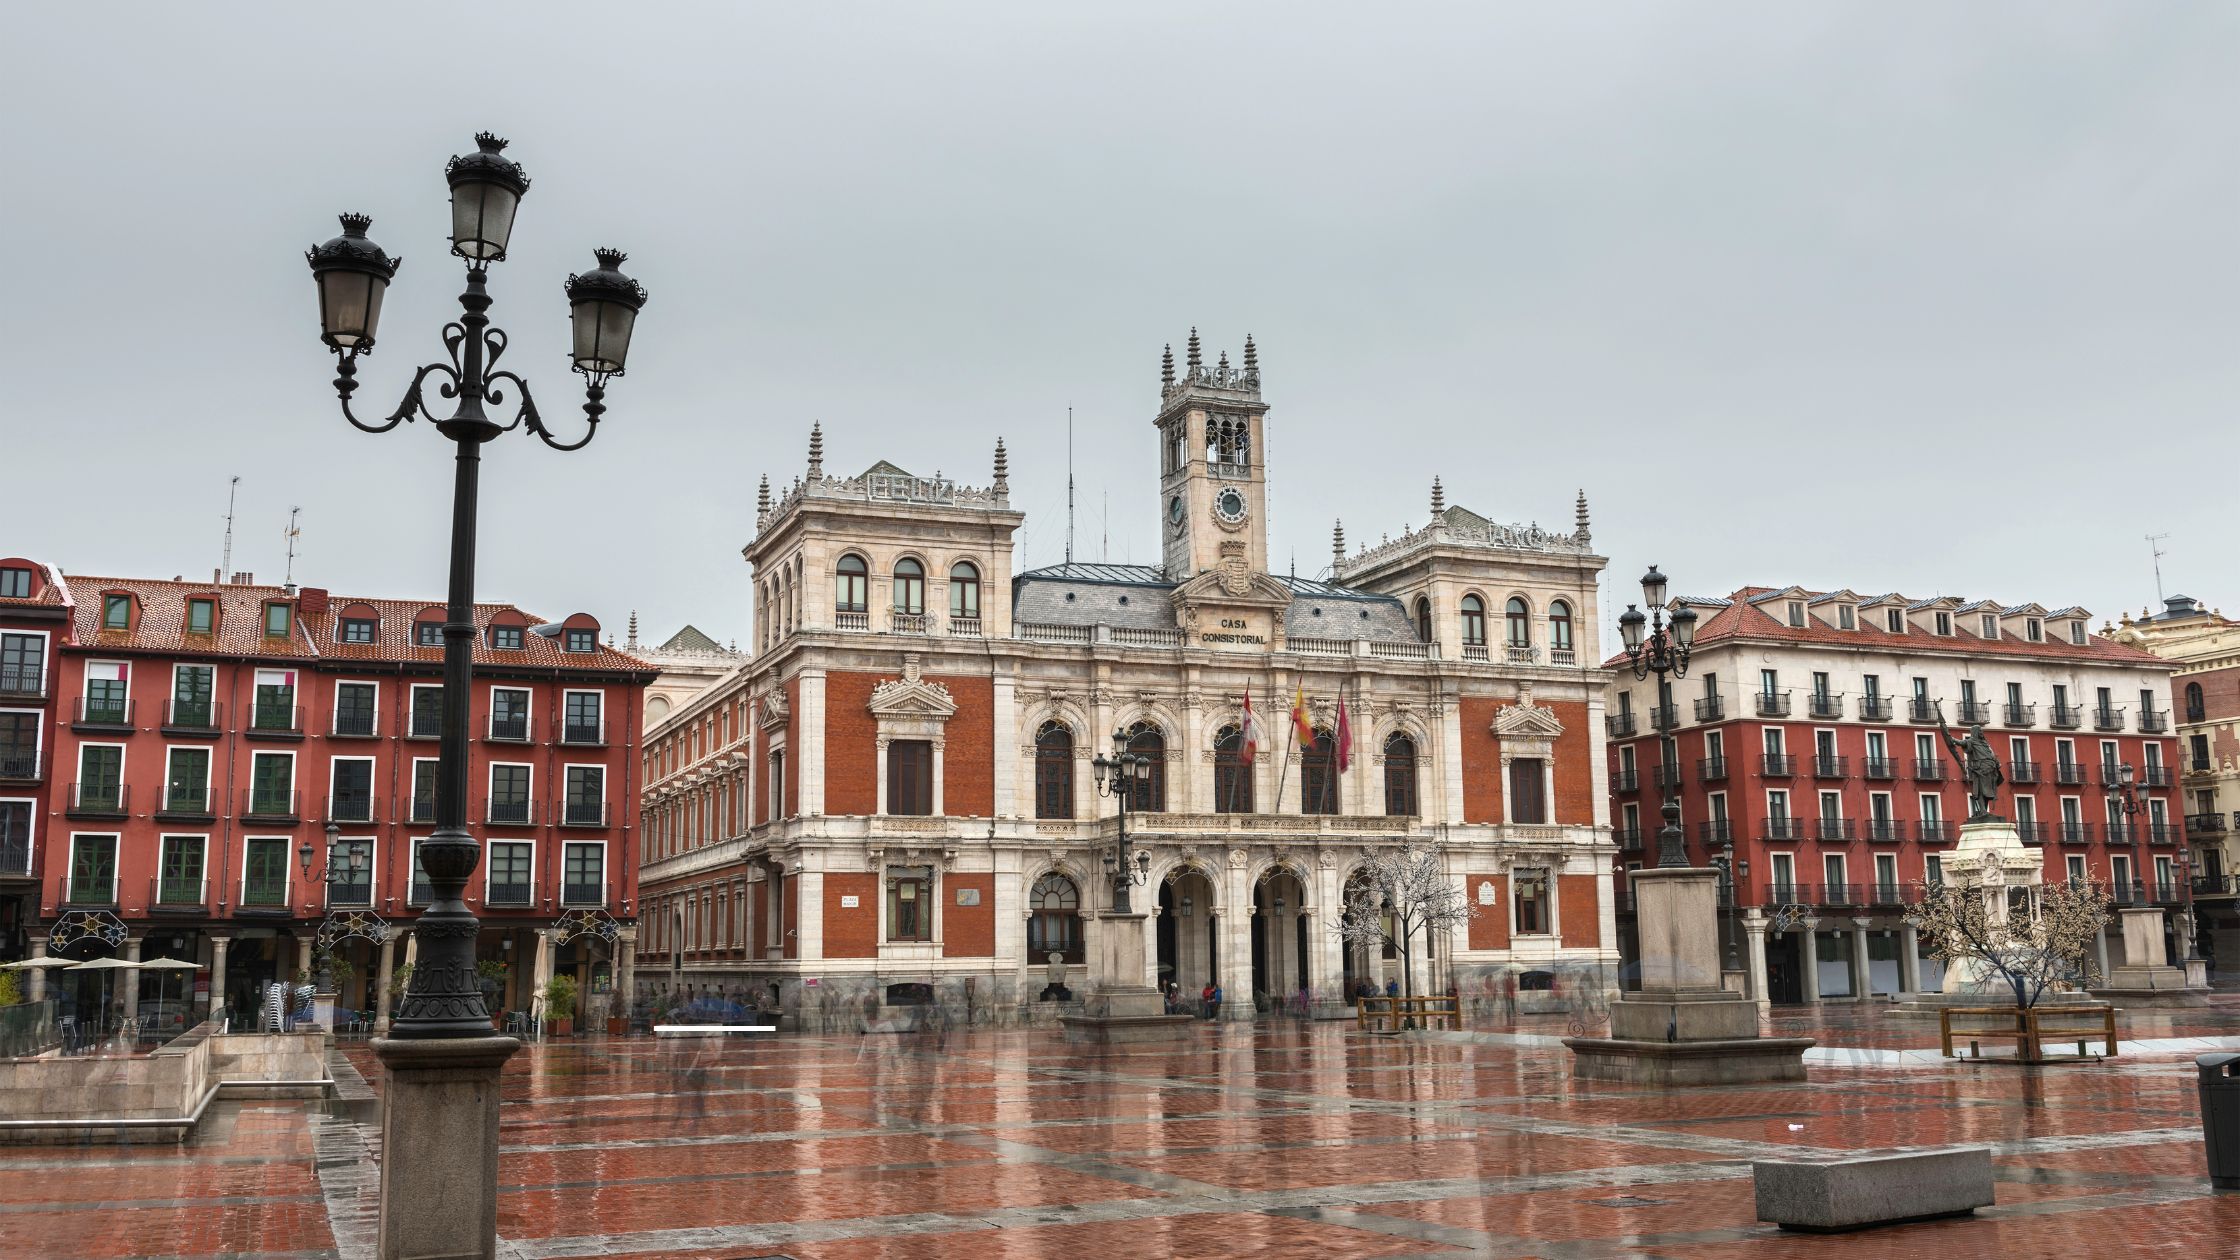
x: 1174, y: 512
x: 1229, y: 505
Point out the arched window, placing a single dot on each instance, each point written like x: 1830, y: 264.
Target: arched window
x: 1423, y: 619
x: 1559, y: 626
x: 1318, y: 775
x: 1232, y: 774
x: 1054, y: 920
x: 854, y: 594
x: 2195, y: 710
x: 1149, y: 793
x: 909, y: 587
x: 1400, y: 777
x: 1053, y: 771
x: 1473, y: 621
x: 1519, y: 617
x: 964, y: 590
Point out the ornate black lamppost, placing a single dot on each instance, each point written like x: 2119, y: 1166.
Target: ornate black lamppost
x: 1655, y: 647
x: 444, y: 999
x: 343, y: 867
x: 2124, y: 793
x: 1120, y: 776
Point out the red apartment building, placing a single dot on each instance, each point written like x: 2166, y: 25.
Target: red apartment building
x: 203, y: 743
x: 34, y: 618
x: 1806, y: 734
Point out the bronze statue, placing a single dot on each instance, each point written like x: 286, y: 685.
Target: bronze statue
x: 1978, y: 765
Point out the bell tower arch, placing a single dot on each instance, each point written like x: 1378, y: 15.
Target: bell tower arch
x: 1213, y: 472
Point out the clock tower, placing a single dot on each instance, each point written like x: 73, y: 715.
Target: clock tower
x: 1212, y: 465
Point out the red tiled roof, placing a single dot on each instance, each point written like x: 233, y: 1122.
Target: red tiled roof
x: 161, y: 627
x: 1742, y: 620
x: 53, y: 591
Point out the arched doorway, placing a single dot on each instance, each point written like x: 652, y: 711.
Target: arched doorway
x: 1279, y: 943
x: 1364, y: 962
x: 1187, y: 925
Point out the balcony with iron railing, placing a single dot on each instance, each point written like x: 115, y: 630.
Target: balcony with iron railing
x: 421, y: 893
x: 91, y: 892
x: 2154, y: 721
x: 1777, y: 765
x: 354, y: 724
x: 585, y: 732
x: 1883, y: 830
x: 426, y: 723
x: 19, y: 765
x: 1934, y: 831
x: 352, y: 807
x: 2162, y: 832
x: 15, y: 856
x: 274, y: 720
x: 1628, y: 838
x: 1874, y: 708
x: 177, y: 895
x: 2065, y: 717
x: 1830, y: 766
x: 583, y: 894
x: 522, y: 813
x: 1711, y: 769
x: 192, y: 719
x: 583, y: 813
x: 2020, y: 714
x: 2033, y: 833
x: 2108, y: 718
x: 1975, y: 712
x: 23, y: 682
x: 1772, y: 703
x: 264, y: 892
x: 1824, y: 706
x: 2023, y: 772
x: 2122, y: 834
x: 1835, y: 830
x: 1928, y: 769
x: 1620, y: 725
x: 1711, y: 708
x: 185, y: 802
x: 2073, y: 832
x: 1879, y: 767
x: 510, y: 895
x: 98, y: 800
x: 2111, y: 774
x: 270, y: 805
x: 1782, y: 828
x: 1921, y: 709
x: 1887, y: 894
x: 1667, y: 776
x: 2204, y: 824
x: 509, y: 728
x: 1840, y: 895
x: 93, y: 715
x: 2200, y: 765
x: 2069, y: 773
x: 355, y: 889
x: 1664, y: 717
x: 1625, y: 780
x: 2156, y: 775
x: 1789, y: 894
x: 1714, y: 833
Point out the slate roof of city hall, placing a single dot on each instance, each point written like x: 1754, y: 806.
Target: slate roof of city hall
x: 1135, y: 597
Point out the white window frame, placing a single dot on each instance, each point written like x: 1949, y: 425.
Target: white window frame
x: 490, y: 869
x: 38, y: 732
x: 528, y: 713
x: 287, y: 870
x: 179, y: 667
x: 46, y: 655
x: 209, y: 771
x: 163, y: 839
x: 295, y: 780
x: 334, y: 701
x: 566, y: 770
x: 1932, y: 868
x: 583, y: 691
x: 1775, y: 862
x: 78, y: 773
x: 31, y: 834
x: 412, y: 706
x: 1840, y: 864
x: 490, y: 792
x: 373, y: 784
x: 2074, y: 867
x: 373, y: 870
x: 116, y: 865
x: 604, y: 871
x: 412, y: 786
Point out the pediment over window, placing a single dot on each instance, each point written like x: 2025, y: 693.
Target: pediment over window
x: 1525, y: 719
x: 911, y: 696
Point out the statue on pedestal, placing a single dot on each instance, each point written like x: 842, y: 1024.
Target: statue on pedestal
x: 1978, y: 765
x: 1055, y: 989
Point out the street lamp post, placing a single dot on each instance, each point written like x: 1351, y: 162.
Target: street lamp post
x: 2125, y: 794
x: 1120, y: 776
x: 1655, y: 646
x: 343, y: 866
x: 441, y: 1037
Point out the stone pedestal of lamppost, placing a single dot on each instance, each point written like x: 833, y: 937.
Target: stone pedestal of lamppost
x: 1684, y: 1026
x: 2145, y: 976
x: 439, y: 1142
x: 1123, y: 1008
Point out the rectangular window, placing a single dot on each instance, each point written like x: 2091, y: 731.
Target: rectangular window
x: 512, y: 877
x: 19, y: 744
x: 93, y: 870
x: 1532, y: 901
x: 2077, y: 633
x: 1944, y: 623
x: 1784, y: 878
x: 2025, y: 812
x: 357, y: 629
x: 23, y: 665
x: 350, y: 873
x: 186, y: 781
x: 1528, y: 799
x: 1990, y: 626
x: 2033, y: 630
x: 1769, y: 682
x: 2075, y: 865
x: 778, y: 784
x: 1796, y: 613
x: 422, y: 891
x: 2119, y: 867
x: 179, y: 871
x: 506, y: 638
x: 116, y: 612
x: 15, y: 583
x: 583, y: 880
x: 264, y: 872
x: 910, y: 904
x: 1777, y: 742
x: 1831, y: 867
x: 1846, y: 617
x: 354, y: 708
x: 509, y: 794
x: 350, y: 797
x: 509, y: 714
x: 100, y: 776
x: 1777, y: 805
x: 587, y: 796
x: 910, y: 777
x: 1871, y: 684
x: 581, y: 640
x: 1886, y: 877
x: 1932, y: 868
x: 275, y: 700
x: 585, y: 720
x: 106, y: 688
x: 276, y: 621
x: 272, y: 785
x: 427, y: 712
x: 202, y: 616
x: 191, y: 690
x: 1894, y: 621
x: 428, y: 634
x: 424, y: 789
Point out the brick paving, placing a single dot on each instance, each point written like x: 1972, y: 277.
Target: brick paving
x: 1286, y: 1140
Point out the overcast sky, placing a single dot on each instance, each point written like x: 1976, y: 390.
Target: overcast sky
x: 1931, y: 298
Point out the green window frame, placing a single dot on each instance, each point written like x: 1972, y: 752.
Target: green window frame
x: 277, y: 621
x: 191, y: 689
x: 186, y: 781
x: 272, y: 782
x: 202, y: 616
x: 100, y: 775
x: 116, y: 612
x: 179, y: 871
x: 264, y: 871
x: 93, y: 870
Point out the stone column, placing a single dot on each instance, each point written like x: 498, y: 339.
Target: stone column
x: 1233, y: 963
x: 1909, y: 958
x: 38, y: 984
x: 1008, y: 738
x: 1754, y: 932
x: 2100, y: 946
x: 131, y: 981
x: 808, y: 747
x: 626, y: 971
x: 439, y: 1100
x: 1862, y: 979
x: 1328, y: 950
x: 1809, y: 952
x: 218, y: 946
x: 383, y: 969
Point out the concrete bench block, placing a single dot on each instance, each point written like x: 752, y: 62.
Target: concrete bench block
x: 1852, y: 1192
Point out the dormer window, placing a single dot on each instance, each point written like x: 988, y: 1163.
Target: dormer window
x: 428, y: 634
x: 1895, y: 621
x: 116, y: 612
x: 506, y: 638
x: 15, y: 583
x: 2076, y: 633
x: 202, y: 616
x: 1847, y: 617
x: 357, y: 629
x: 1796, y: 613
x: 2034, y: 630
x: 276, y: 621
x: 580, y: 641
x: 1990, y: 626
x: 1944, y: 623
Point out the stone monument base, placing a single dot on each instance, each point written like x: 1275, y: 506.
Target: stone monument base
x: 1125, y: 1017
x: 439, y: 1135
x: 2150, y: 987
x: 1736, y: 1061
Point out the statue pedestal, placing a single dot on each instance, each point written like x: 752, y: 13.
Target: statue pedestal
x: 2145, y: 977
x: 1123, y: 1009
x: 1684, y: 1027
x: 1990, y: 855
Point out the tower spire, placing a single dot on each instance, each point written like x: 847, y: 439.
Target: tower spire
x: 1580, y: 515
x: 633, y: 642
x: 1438, y: 498
x: 762, y: 497
x: 1337, y: 546
x: 1224, y: 363
x: 1194, y: 360
x: 1002, y: 484
x: 1251, y: 358
x: 816, y: 449
x: 1166, y: 368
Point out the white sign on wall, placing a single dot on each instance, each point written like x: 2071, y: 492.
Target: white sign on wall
x: 849, y: 901
x: 1485, y: 892
x: 968, y: 896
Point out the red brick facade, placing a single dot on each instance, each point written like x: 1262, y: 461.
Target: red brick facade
x: 1489, y: 927
x: 1579, y: 911
x: 968, y: 931
x: 851, y: 931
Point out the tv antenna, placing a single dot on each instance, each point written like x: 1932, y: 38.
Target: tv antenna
x: 2154, y: 545
x: 225, y: 566
x: 294, y: 532
x: 1069, y: 483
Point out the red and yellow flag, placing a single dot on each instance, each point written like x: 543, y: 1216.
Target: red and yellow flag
x: 1299, y: 720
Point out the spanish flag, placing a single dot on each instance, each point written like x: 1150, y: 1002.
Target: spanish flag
x: 1299, y: 720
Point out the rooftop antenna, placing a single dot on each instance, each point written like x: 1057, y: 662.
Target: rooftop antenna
x: 1104, y: 536
x: 294, y: 532
x: 1069, y: 483
x: 225, y: 567
x: 2153, y: 545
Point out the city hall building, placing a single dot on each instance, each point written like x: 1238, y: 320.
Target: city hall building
x: 892, y: 802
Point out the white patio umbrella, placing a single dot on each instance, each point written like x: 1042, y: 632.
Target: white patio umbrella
x: 37, y: 960
x: 106, y: 964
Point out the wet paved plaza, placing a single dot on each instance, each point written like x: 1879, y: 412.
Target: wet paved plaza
x: 1309, y: 1140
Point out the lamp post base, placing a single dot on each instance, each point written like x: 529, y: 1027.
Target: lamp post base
x: 439, y: 1146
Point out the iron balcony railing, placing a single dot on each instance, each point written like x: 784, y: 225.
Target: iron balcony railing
x: 2022, y: 772
x: 192, y: 716
x: 1714, y: 832
x: 2066, y: 717
x: 1773, y: 704
x: 2069, y: 773
x: 1711, y: 708
x: 422, y: 892
x: 1825, y: 706
x: 92, y: 892
x: 1782, y: 894
x: 2111, y: 774
x: 2107, y: 719
x: 1629, y: 838
x: 583, y: 894
x: 1664, y: 717
x: 511, y: 728
x: 269, y: 804
x: 592, y: 732
x: 355, y: 890
x: 100, y: 799
x: 23, y: 682
x: 512, y: 813
x: 176, y: 892
x: 354, y: 724
x: 350, y: 807
x: 15, y: 856
x: 2032, y: 832
x: 2157, y: 776
x: 423, y: 809
x: 2021, y: 714
x: 2161, y: 833
x: 186, y: 801
x: 1921, y: 709
x: 1880, y: 767
x: 583, y: 814
x: 1711, y: 769
x: 1975, y: 712
x: 19, y: 765
x: 2122, y: 833
x: 1621, y: 725
x: 1889, y: 894
x: 1666, y: 776
x: 1933, y: 831
x: 1840, y: 895
x: 1825, y: 766
x: 2197, y: 713
x: 511, y: 895
x: 2200, y: 765
x: 426, y: 723
x: 273, y: 718
x: 1777, y: 765
x: 1929, y: 769
x: 2154, y: 721
x: 1874, y: 708
x: 265, y: 892
x: 103, y: 713
x: 1883, y: 830
x: 2205, y: 824
x: 1839, y: 830
x: 2074, y: 832
x: 1790, y: 828
x: 1625, y: 780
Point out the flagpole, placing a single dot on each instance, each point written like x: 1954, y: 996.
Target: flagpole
x: 1283, y: 768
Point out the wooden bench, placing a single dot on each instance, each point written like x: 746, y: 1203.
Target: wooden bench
x: 2030, y: 1030
x: 1391, y: 1014
x: 1883, y: 1188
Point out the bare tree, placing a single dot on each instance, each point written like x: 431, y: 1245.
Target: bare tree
x: 1396, y: 894
x: 2029, y: 951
